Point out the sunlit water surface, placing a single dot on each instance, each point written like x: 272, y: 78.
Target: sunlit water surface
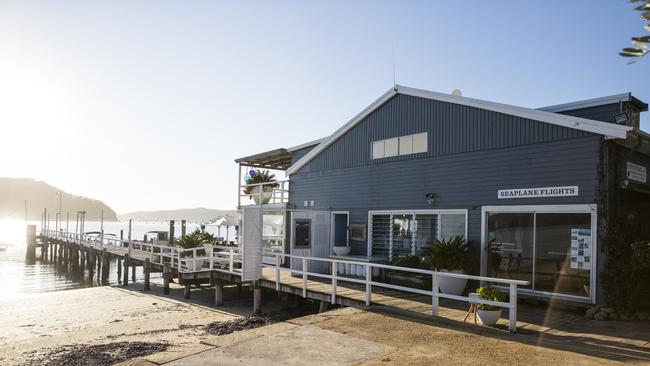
x: 18, y: 279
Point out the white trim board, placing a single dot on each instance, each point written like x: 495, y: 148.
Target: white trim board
x: 606, y: 129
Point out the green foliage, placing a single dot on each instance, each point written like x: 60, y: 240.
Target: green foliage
x: 450, y: 254
x: 195, y: 239
x: 640, y: 43
x: 409, y: 261
x: 260, y: 176
x: 628, y: 264
x: 491, y: 294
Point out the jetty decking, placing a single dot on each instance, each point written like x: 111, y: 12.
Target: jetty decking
x: 222, y: 265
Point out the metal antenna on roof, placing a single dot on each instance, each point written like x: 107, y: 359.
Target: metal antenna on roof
x: 393, y: 50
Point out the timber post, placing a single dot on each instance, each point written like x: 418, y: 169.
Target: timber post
x: 125, y: 278
x: 167, y: 273
x: 119, y: 271
x: 218, y: 293
x: 186, y: 291
x: 147, y: 274
x: 133, y: 272
x: 257, y: 298
x: 91, y: 263
x: 105, y: 266
x: 30, y: 255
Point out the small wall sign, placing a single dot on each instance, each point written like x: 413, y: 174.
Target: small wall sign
x: 636, y: 172
x: 567, y: 191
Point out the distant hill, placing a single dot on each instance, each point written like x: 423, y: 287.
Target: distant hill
x: 199, y: 214
x: 40, y: 195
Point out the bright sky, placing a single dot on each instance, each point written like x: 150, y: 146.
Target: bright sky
x: 145, y: 104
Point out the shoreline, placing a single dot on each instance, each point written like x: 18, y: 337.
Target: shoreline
x: 36, y: 325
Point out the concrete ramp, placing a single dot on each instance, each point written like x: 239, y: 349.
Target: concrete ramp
x: 307, y: 344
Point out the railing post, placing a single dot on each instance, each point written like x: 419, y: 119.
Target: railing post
x: 277, y: 272
x: 334, y: 273
x: 368, y: 284
x: 512, y: 310
x: 282, y: 192
x: 231, y: 260
x: 435, y: 280
x: 194, y: 260
x: 305, y: 264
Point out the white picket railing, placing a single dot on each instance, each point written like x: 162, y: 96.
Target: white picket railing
x: 369, y: 283
x: 205, y: 258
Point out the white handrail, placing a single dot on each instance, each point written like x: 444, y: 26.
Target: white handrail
x: 367, y: 281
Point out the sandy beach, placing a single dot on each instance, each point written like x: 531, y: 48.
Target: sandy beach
x: 34, y: 324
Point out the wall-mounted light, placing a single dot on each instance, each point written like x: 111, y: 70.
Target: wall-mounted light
x: 430, y: 198
x: 621, y: 118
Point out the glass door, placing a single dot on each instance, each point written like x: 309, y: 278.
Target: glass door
x: 510, y: 248
x: 563, y: 253
x: 546, y: 246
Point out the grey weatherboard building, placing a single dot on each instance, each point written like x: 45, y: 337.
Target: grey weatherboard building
x: 413, y: 156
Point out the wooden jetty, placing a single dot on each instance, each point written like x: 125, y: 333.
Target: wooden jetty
x: 218, y: 266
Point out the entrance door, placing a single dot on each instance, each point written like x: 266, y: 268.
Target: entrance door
x: 340, y: 225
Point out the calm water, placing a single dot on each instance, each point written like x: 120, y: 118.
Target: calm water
x: 18, y: 279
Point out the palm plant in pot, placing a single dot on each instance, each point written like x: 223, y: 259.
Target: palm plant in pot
x: 260, y: 194
x: 489, y: 314
x: 449, y: 255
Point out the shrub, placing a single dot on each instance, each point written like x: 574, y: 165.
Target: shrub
x: 491, y: 294
x: 409, y: 261
x: 628, y: 264
x: 195, y: 239
x: 450, y: 254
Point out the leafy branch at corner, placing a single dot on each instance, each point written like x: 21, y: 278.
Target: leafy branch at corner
x: 642, y: 42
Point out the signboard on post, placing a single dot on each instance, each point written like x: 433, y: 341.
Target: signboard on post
x: 566, y: 191
x: 637, y: 173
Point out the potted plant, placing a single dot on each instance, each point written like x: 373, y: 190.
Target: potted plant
x: 409, y: 279
x: 253, y: 192
x: 196, y: 239
x: 489, y: 314
x: 449, y: 255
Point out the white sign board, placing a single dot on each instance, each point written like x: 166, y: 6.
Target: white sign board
x: 636, y: 172
x: 581, y: 248
x: 567, y: 191
x: 251, y: 243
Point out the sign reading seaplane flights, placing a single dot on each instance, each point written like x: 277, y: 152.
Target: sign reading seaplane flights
x: 567, y: 191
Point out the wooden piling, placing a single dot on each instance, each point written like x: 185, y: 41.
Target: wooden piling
x: 119, y: 270
x: 125, y: 278
x: 105, y: 266
x: 218, y: 293
x: 324, y: 306
x: 91, y: 263
x: 30, y: 255
x: 147, y: 271
x: 257, y: 298
x: 133, y: 273
x: 186, y: 292
x: 167, y: 273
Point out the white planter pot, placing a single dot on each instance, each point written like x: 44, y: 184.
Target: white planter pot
x: 341, y: 251
x: 451, y: 285
x: 267, y: 193
x: 489, y: 317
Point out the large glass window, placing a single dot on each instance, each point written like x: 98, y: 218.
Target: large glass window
x: 510, y: 246
x: 563, y: 253
x: 552, y: 250
x: 400, y: 233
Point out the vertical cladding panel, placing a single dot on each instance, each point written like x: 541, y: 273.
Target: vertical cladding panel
x: 466, y: 181
x: 452, y: 129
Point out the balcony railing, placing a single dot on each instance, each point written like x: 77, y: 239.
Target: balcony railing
x: 271, y: 193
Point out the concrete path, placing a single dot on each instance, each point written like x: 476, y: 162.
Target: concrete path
x: 298, y: 345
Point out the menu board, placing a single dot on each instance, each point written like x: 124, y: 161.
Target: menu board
x: 581, y: 249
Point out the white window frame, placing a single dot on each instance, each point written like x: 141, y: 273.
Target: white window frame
x: 438, y: 212
x: 398, y: 140
x: 534, y: 209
